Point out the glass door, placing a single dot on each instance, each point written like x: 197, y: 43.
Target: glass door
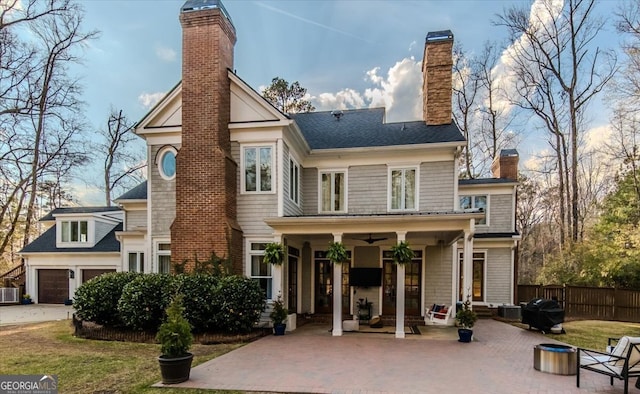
x: 292, y: 277
x: 412, y: 284
x: 324, y: 283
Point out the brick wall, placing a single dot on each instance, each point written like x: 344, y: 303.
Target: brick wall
x: 437, y: 85
x: 205, y: 171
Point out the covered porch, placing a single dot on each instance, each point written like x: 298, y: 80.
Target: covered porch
x: 306, y: 280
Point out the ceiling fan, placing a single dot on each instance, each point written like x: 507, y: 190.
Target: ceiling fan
x: 372, y: 240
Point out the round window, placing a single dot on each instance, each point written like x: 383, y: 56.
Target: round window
x: 167, y: 164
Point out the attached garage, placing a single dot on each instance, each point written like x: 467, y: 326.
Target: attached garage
x: 90, y: 274
x: 53, y: 286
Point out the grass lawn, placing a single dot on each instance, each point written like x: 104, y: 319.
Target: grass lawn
x: 592, y: 334
x: 87, y: 366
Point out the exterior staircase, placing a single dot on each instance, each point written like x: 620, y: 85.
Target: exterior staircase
x: 12, y: 284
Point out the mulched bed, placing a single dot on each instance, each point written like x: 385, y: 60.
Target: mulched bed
x: 89, y: 330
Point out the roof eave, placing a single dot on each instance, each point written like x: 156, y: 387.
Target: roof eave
x: 432, y: 145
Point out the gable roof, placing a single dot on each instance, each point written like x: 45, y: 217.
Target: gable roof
x: 361, y: 128
x: 137, y: 193
x: 47, y: 243
x: 58, y: 211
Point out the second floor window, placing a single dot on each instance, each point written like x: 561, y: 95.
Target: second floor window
x: 402, y: 185
x: 74, y: 231
x: 475, y: 202
x: 294, y: 181
x: 333, y: 191
x: 257, y: 169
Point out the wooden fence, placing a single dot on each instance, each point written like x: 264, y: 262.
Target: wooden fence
x: 601, y: 303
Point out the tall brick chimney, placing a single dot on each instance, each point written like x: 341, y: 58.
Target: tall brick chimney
x: 436, y: 74
x: 205, y: 171
x: 505, y: 166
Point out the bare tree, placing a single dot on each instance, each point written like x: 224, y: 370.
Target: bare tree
x: 465, y: 91
x: 122, y: 161
x: 40, y: 109
x: 559, y: 71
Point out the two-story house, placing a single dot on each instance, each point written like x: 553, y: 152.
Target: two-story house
x: 229, y: 173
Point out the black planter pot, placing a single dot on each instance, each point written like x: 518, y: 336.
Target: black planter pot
x: 465, y: 334
x: 279, y: 329
x: 175, y: 370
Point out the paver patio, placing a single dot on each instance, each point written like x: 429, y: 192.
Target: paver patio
x: 310, y: 360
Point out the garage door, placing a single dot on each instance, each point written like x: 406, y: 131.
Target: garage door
x: 53, y: 286
x: 90, y: 274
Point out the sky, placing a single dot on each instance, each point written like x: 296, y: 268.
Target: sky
x: 348, y: 54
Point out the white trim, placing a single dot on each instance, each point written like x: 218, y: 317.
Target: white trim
x: 390, y: 169
x: 155, y: 266
x: 514, y: 196
x: 278, y: 172
x: 333, y: 171
x: 293, y: 162
x: 274, y: 168
x: 247, y: 266
x: 160, y: 155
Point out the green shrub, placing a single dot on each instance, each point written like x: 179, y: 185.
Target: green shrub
x: 174, y: 334
x: 97, y: 299
x: 144, y: 300
x: 240, y: 301
x: 199, y: 299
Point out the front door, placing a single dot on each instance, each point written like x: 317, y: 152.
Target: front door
x: 324, y: 283
x: 412, y: 288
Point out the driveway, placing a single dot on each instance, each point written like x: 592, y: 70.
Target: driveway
x: 310, y: 360
x: 33, y: 313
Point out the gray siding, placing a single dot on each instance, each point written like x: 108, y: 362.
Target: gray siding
x: 136, y: 219
x: 290, y: 207
x: 498, y: 286
x: 500, y: 213
x: 436, y: 186
x: 163, y: 198
x: 438, y: 273
x: 367, y: 189
x: 254, y: 208
x: 310, y: 191
x: 102, y: 229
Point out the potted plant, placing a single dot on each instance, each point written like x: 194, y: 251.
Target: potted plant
x: 402, y: 253
x: 273, y: 253
x: 337, y: 253
x: 26, y: 299
x: 278, y: 316
x: 466, y: 318
x: 175, y: 338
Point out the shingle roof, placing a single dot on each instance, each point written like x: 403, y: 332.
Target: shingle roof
x: 485, y: 181
x: 366, y: 128
x: 47, y: 243
x: 57, y: 211
x: 137, y: 193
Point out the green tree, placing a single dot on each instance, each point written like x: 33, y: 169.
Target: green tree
x: 288, y: 98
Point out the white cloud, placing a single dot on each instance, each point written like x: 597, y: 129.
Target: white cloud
x: 399, y: 92
x: 344, y: 99
x: 597, y: 137
x: 165, y: 54
x: 148, y: 100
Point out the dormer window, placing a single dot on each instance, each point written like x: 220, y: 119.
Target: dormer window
x: 74, y: 231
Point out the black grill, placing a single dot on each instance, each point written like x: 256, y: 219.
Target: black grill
x: 542, y: 314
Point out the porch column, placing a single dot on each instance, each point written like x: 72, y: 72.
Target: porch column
x: 276, y: 274
x: 337, y: 293
x: 400, y: 268
x: 467, y: 267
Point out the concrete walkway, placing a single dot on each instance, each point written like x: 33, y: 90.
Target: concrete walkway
x: 33, y: 313
x: 310, y: 360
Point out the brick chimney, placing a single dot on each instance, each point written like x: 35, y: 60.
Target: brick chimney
x: 505, y: 166
x: 206, y: 184
x: 436, y: 73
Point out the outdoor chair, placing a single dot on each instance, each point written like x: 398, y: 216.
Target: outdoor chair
x: 622, y: 362
x: 438, y: 314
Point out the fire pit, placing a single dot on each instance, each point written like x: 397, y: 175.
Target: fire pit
x: 555, y: 359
